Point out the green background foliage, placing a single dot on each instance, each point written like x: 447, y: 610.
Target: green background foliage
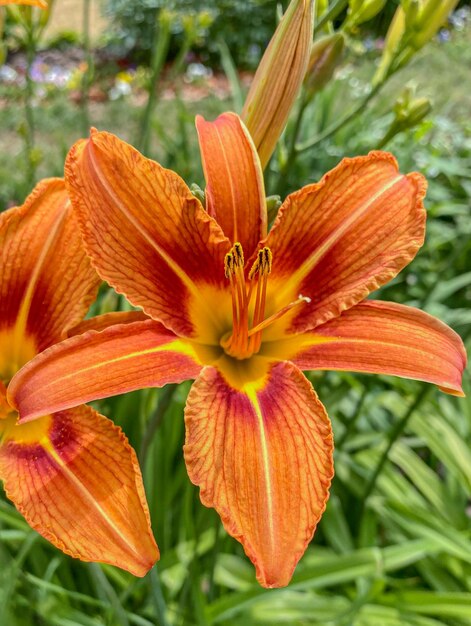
x: 394, y: 546
x: 244, y: 26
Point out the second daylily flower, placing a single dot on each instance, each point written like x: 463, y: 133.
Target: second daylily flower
x: 72, y: 473
x: 243, y: 311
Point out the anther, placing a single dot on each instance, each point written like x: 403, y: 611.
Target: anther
x: 238, y: 255
x: 266, y: 256
x: 229, y: 264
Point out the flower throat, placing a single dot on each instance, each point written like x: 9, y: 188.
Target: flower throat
x: 246, y: 337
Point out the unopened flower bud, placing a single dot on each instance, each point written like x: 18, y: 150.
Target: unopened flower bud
x: 408, y: 113
x: 414, y: 24
x: 430, y: 19
x: 279, y: 78
x: 363, y: 10
x: 419, y: 108
x: 325, y: 57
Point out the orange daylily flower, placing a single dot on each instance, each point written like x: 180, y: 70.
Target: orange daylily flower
x: 243, y: 311
x: 72, y: 474
x: 34, y: 3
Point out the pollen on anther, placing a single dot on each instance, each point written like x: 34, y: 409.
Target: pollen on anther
x: 267, y: 260
x: 229, y: 264
x: 238, y: 255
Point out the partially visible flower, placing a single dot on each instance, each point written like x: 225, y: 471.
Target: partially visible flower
x: 279, y: 77
x: 72, y: 474
x: 42, y: 4
x: 243, y: 311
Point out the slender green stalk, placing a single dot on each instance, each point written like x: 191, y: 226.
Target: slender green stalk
x: 340, y: 123
x: 394, y: 434
x: 107, y: 594
x: 214, y: 556
x: 86, y: 78
x: 387, y: 138
x: 353, y: 420
x: 157, y: 597
x: 296, y: 128
x: 335, y: 9
x: 155, y: 420
x: 30, y: 127
x: 159, y: 54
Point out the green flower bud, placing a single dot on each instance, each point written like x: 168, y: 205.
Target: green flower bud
x: 326, y: 54
x: 362, y: 11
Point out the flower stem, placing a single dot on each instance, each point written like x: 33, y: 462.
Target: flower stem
x: 30, y: 127
x: 159, y: 54
x: 394, y: 434
x: 155, y: 420
x: 353, y: 420
x: 157, y: 596
x: 340, y: 123
x: 86, y: 78
x: 335, y: 9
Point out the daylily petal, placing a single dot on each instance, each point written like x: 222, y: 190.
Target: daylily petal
x: 76, y: 480
x: 100, y: 322
x: 147, y: 235
x: 386, y: 338
x: 52, y: 287
x: 35, y: 3
x: 100, y: 364
x: 235, y: 193
x: 262, y: 458
x: 336, y: 241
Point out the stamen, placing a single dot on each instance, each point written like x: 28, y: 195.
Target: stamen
x: 242, y: 342
x: 264, y: 263
x: 279, y: 314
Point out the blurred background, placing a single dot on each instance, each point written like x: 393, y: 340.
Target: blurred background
x: 394, y: 546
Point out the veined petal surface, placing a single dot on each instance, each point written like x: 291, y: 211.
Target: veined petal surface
x: 387, y: 338
x: 76, y: 480
x: 100, y: 322
x: 262, y: 458
x: 340, y: 239
x: 235, y: 192
x: 97, y: 365
x: 147, y: 235
x: 46, y: 281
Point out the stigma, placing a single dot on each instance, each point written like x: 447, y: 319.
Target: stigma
x: 248, y: 302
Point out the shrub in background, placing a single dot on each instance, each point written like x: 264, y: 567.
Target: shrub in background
x: 134, y: 26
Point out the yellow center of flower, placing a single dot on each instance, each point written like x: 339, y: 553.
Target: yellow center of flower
x: 15, y: 351
x: 36, y: 431
x: 248, y: 302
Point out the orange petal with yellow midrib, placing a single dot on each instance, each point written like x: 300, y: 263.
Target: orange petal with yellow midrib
x: 386, y: 338
x: 97, y: 365
x: 147, y: 235
x: 79, y: 485
x: 100, y: 322
x: 235, y: 193
x: 52, y: 287
x: 262, y: 458
x: 340, y: 239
